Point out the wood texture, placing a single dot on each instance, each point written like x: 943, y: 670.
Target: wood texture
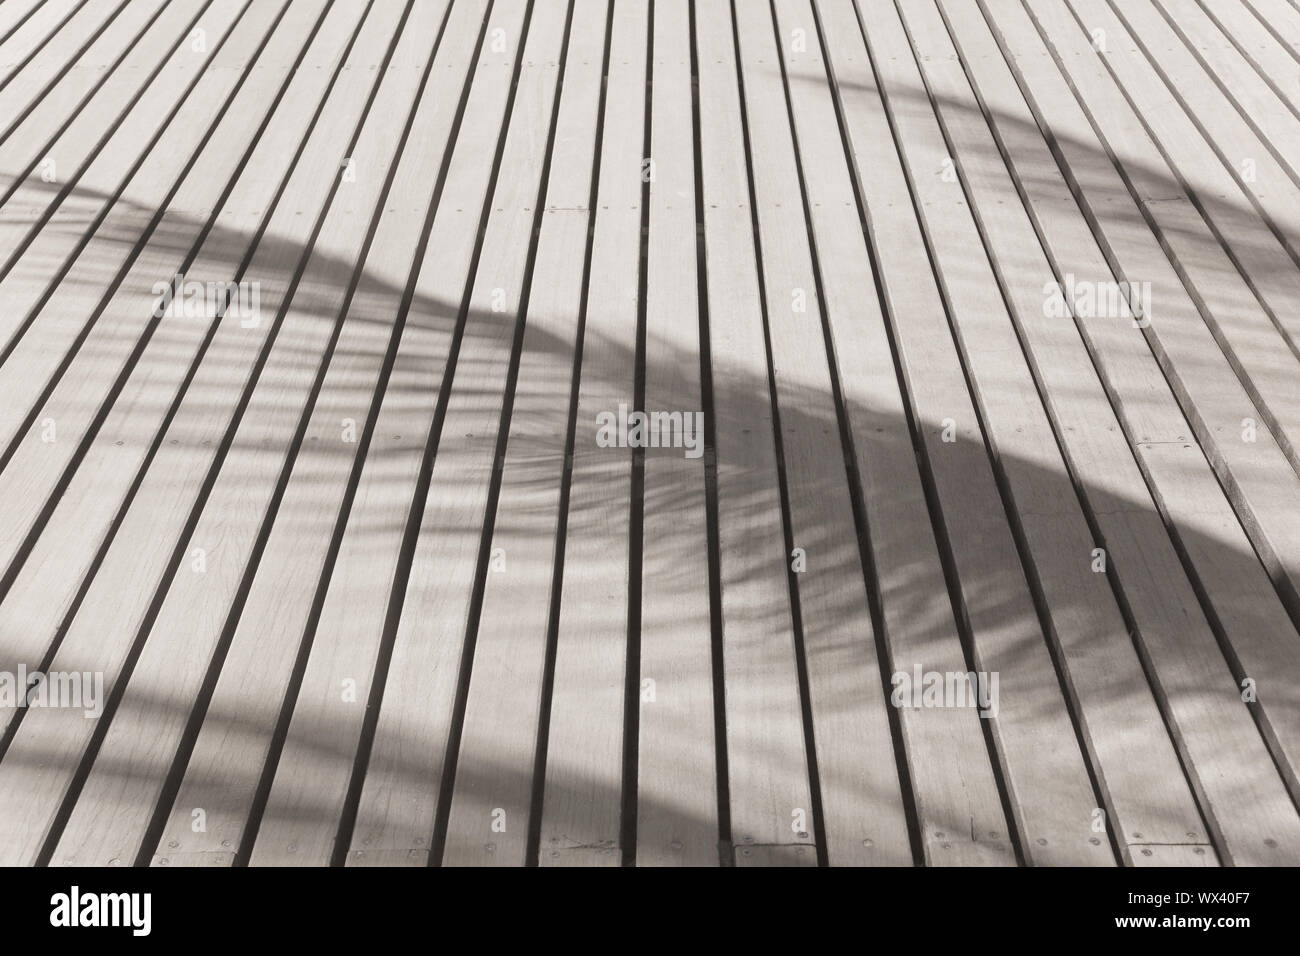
x: 365, y: 578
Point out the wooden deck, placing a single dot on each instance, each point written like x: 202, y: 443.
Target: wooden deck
x: 969, y: 329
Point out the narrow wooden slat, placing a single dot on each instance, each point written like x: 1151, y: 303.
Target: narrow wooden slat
x: 582, y: 801
x: 1260, y: 481
x: 1046, y: 777
x: 767, y: 767
x: 68, y: 23
x: 54, y: 740
x: 1209, y: 725
x: 1277, y: 127
x: 47, y: 579
x: 60, y: 90
x: 123, y: 785
x: 399, y: 800
x: 838, y: 636
x: 1247, y: 607
x: 783, y: 855
x: 1137, y: 769
x: 340, y: 286
x: 677, y: 789
x: 116, y: 193
x: 1222, y: 753
x: 495, y: 767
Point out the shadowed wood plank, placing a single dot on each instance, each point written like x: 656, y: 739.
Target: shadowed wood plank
x: 1046, y: 777
x: 1215, y: 736
x: 767, y: 766
x: 99, y: 634
x: 677, y: 798
x: 400, y: 799
x: 496, y: 764
x: 231, y: 749
x: 582, y: 799
x: 1244, y: 602
x: 306, y: 800
x: 47, y: 578
x: 125, y: 783
x: 863, y: 821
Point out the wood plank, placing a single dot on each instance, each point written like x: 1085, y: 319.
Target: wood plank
x: 1277, y: 127
x: 1222, y: 753
x: 1280, y: 19
x: 1260, y: 482
x: 224, y: 761
x: 838, y: 636
x: 121, y: 589
x: 677, y: 762
x: 1255, y: 40
x: 34, y: 117
x: 782, y: 855
x: 111, y: 194
x: 1046, y: 776
x: 1180, y: 855
x: 582, y: 800
x: 46, y: 581
x: 71, y: 21
x: 495, y: 766
x: 1136, y: 767
x: 400, y: 796
x: 767, y: 767
x: 1245, y: 604
x: 12, y: 16
x: 138, y: 556
x: 124, y: 782
x: 1185, y: 85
